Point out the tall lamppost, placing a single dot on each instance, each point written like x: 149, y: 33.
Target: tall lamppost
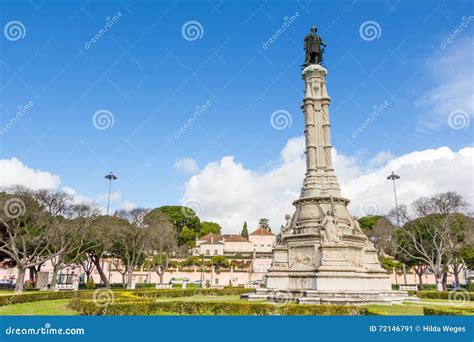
x: 110, y: 177
x: 393, y: 177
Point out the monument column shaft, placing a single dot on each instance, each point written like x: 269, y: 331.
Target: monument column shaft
x: 310, y: 137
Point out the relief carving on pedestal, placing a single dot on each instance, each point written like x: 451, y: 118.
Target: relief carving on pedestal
x: 302, y: 257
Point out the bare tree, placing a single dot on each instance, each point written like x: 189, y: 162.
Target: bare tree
x: 129, y: 244
x: 25, y: 232
x: 87, y: 265
x: 433, y: 234
x: 161, y: 243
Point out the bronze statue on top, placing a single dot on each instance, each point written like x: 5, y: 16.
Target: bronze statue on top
x: 312, y: 47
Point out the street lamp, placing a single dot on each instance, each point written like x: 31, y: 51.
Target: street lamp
x: 110, y: 177
x: 393, y: 177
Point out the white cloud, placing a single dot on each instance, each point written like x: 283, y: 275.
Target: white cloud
x: 452, y: 71
x: 230, y: 194
x: 13, y: 171
x: 127, y: 205
x: 186, y: 165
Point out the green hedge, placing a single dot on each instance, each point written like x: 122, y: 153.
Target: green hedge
x: 36, y: 296
x: 212, y: 308
x: 448, y: 311
x: 192, y: 292
x: 439, y: 294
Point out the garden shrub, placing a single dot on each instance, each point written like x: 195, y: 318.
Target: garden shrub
x: 448, y: 311
x: 213, y: 308
x: 439, y: 294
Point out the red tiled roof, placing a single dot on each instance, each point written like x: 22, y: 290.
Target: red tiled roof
x: 234, y: 238
x: 262, y: 231
x: 211, y: 238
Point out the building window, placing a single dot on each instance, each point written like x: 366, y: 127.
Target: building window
x: 207, y: 252
x: 217, y: 281
x: 269, y: 245
x: 215, y: 251
x: 262, y: 245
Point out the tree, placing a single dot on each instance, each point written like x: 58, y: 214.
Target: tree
x: 209, y: 227
x: 87, y: 265
x: 264, y: 223
x: 129, y: 243
x: 99, y: 242
x: 162, y: 242
x: 436, y: 232
x: 219, y: 261
x: 380, y: 231
x: 180, y: 218
x: 245, y: 231
x: 69, y: 240
x: 25, y: 232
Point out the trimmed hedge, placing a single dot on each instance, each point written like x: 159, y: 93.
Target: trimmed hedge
x: 212, y: 308
x: 439, y: 294
x: 36, y: 296
x: 448, y: 311
x: 192, y: 292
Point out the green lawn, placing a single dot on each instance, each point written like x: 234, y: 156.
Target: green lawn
x: 47, y: 307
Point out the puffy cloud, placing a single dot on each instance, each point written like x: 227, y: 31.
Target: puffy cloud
x: 230, y: 194
x: 13, y: 171
x: 127, y: 205
x: 186, y: 165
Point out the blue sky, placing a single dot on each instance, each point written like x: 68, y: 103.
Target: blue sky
x: 144, y: 72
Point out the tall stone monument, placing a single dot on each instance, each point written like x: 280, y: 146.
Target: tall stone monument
x: 322, y: 255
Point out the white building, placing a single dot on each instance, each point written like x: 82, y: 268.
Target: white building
x: 260, y: 242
